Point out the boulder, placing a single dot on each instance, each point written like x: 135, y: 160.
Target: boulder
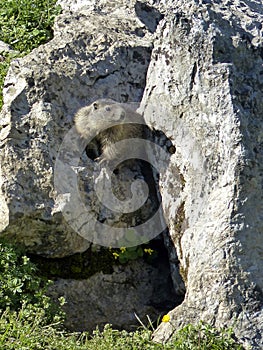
x: 204, y: 91
x: 137, y: 290
x: 94, y: 54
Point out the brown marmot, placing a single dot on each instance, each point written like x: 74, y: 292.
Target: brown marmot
x: 105, y: 122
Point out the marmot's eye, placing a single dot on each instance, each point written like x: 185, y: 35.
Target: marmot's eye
x: 95, y: 105
x: 122, y: 116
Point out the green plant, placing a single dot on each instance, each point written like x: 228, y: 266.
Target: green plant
x: 16, y: 332
x: 110, y: 339
x: 125, y: 254
x: 202, y: 337
x: 20, y: 286
x: 25, y: 24
x: 25, y: 329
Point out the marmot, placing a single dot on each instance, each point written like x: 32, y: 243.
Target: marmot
x: 108, y: 121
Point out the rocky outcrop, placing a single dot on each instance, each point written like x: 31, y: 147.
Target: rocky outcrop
x: 96, y: 53
x: 203, y: 92
x: 93, y: 55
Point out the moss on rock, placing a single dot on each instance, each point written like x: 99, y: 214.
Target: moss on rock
x: 76, y: 266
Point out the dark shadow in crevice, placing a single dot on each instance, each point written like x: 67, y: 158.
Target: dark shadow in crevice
x: 164, y: 287
x: 177, y: 275
x: 170, y: 283
x: 148, y: 15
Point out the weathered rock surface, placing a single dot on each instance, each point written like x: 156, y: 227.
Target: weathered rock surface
x: 203, y: 91
x: 92, y: 55
x: 139, y: 288
x: 4, y: 47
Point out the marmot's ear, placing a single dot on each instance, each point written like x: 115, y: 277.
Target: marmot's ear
x: 95, y: 105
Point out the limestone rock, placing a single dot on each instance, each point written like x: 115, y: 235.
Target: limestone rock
x: 93, y: 55
x: 137, y: 288
x: 204, y: 91
x: 5, y: 47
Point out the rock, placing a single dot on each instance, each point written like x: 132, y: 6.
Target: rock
x: 5, y: 47
x: 204, y: 91
x: 137, y: 288
x: 93, y: 55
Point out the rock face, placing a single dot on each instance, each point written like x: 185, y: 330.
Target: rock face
x: 139, y: 288
x: 203, y: 91
x: 92, y: 55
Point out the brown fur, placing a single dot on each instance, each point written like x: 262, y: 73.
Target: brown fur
x: 107, y: 121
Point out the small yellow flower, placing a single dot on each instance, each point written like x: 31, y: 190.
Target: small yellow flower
x: 166, y: 318
x: 123, y: 249
x: 116, y: 255
x: 148, y: 250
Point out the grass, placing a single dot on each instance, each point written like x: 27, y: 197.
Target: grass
x: 29, y: 320
x: 203, y: 337
x: 17, y: 332
x: 24, y: 25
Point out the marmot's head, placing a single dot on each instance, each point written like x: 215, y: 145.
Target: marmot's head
x: 101, y: 114
x: 108, y: 110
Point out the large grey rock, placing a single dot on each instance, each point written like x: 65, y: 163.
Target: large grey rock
x: 92, y: 55
x: 204, y: 91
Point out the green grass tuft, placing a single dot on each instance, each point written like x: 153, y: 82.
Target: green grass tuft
x: 203, y: 337
x: 24, y: 25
